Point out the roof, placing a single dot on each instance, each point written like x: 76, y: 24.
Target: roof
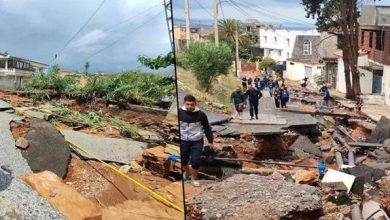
x: 339, y: 53
x: 28, y: 60
x: 297, y: 53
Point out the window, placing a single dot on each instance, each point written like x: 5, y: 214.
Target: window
x: 288, y: 55
x: 2, y: 64
x: 380, y: 37
x: 362, y: 38
x: 371, y: 39
x: 275, y: 40
x: 265, y: 39
x: 248, y: 28
x: 280, y: 53
x: 306, y: 47
x: 288, y: 42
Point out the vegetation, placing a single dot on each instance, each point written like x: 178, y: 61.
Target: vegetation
x: 127, y: 87
x: 207, y: 61
x: 267, y: 62
x: 126, y: 129
x: 161, y: 61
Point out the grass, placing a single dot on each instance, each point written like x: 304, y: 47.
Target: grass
x: 220, y: 92
x: 126, y: 129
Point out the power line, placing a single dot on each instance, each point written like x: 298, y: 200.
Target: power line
x: 200, y: 5
x: 239, y: 9
x: 220, y: 5
x: 119, y: 39
x: 80, y: 29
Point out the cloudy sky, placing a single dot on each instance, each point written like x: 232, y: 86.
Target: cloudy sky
x: 111, y: 42
x: 288, y: 12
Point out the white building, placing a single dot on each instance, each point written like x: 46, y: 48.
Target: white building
x: 279, y: 43
x: 14, y: 71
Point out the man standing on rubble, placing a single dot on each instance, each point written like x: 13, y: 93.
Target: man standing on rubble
x: 194, y: 125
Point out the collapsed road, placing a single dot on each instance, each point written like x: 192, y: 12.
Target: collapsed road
x: 42, y: 176
x: 341, y: 154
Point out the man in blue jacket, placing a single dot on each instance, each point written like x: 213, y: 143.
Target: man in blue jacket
x: 325, y: 97
x: 194, y: 125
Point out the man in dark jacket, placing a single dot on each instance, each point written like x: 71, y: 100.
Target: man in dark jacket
x: 253, y: 96
x: 238, y: 99
x: 284, y: 97
x: 244, y: 82
x: 325, y: 97
x: 194, y: 125
x: 271, y: 86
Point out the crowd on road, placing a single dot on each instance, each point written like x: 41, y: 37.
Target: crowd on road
x: 252, y: 91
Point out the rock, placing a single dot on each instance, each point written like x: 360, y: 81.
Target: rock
x: 337, y: 186
x: 306, y: 176
x: 364, y: 174
x: 381, y: 131
x: 135, y: 167
x: 22, y: 143
x: 325, y: 147
x: 48, y: 149
x: 172, y: 149
x: 63, y: 197
x: 247, y: 136
x: 304, y: 143
x: 38, y: 115
x: 382, y: 155
x: 382, y: 166
x: 125, y: 168
x: 330, y: 207
x: 300, y: 155
x: 154, y: 159
x: 246, y: 196
x: 276, y: 176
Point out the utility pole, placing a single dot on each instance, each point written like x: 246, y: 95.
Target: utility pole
x: 168, y: 15
x: 237, y: 54
x: 216, y: 22
x: 187, y: 14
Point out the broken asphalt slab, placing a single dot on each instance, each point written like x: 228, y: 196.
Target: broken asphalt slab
x: 24, y: 203
x: 108, y: 149
x: 364, y: 174
x: 256, y: 197
x: 305, y: 144
x: 10, y: 156
x: 48, y: 149
x: 381, y: 131
x: 5, y: 106
x: 264, y: 119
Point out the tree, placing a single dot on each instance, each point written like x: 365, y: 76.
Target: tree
x: 87, y: 64
x: 207, y: 61
x: 162, y: 61
x: 341, y: 16
x: 267, y: 62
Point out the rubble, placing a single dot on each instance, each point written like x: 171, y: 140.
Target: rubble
x: 256, y: 197
x: 307, y: 177
x: 304, y: 143
x: 22, y: 143
x: 381, y: 131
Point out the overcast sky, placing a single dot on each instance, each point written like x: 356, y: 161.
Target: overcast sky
x: 288, y: 12
x: 38, y: 29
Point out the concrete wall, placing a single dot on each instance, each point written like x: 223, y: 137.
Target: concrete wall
x: 365, y: 81
x: 297, y: 70
x: 386, y: 80
x: 7, y: 82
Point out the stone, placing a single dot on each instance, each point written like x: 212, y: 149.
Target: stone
x: 63, y: 197
x: 22, y: 143
x: 135, y: 167
x: 304, y: 143
x: 300, y: 155
x: 125, y: 168
x: 382, y: 155
x: 364, y: 174
x: 376, y: 165
x: 48, y: 149
x: 381, y: 131
x: 306, y: 176
x: 276, y: 176
x: 337, y: 186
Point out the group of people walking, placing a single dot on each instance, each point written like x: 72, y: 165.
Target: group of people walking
x: 252, y: 92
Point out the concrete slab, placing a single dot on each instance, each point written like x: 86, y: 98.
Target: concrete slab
x: 381, y: 131
x: 10, y: 156
x: 5, y: 105
x: 264, y: 119
x: 48, y: 149
x: 257, y: 130
x: 305, y: 144
x: 108, y: 149
x: 333, y: 176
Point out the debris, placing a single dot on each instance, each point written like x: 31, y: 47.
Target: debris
x: 306, y: 177
x: 172, y: 149
x: 381, y: 131
x: 365, y: 144
x: 154, y: 160
x: 108, y: 149
x: 337, y: 186
x: 356, y: 213
x: 364, y: 174
x: 276, y: 176
x: 135, y: 167
x: 304, y: 143
x: 22, y: 143
x: 372, y: 209
x: 45, y: 182
x: 256, y: 197
x: 351, y: 158
x: 38, y: 115
x: 48, y: 149
x: 4, y: 106
x: 332, y: 176
x: 339, y: 160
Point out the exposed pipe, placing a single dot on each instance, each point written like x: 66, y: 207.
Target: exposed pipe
x: 351, y: 158
x: 339, y: 160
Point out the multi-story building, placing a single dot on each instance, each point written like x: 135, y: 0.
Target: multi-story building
x: 374, y: 55
x: 14, y: 71
x: 251, y: 27
x: 279, y: 43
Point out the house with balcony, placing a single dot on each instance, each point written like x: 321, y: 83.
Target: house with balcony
x: 14, y: 71
x: 374, y: 55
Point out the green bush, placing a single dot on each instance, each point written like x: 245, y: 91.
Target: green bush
x: 207, y: 61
